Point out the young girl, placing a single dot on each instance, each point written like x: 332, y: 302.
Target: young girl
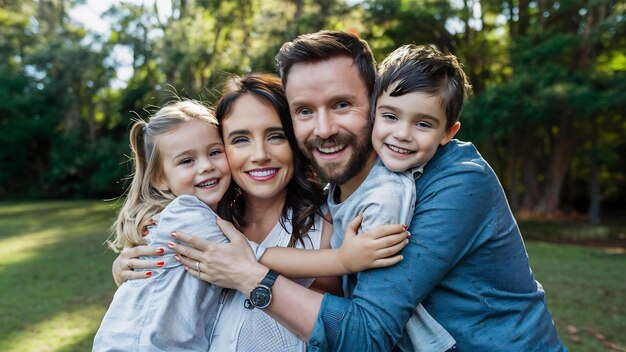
x: 178, y: 153
x: 181, y: 173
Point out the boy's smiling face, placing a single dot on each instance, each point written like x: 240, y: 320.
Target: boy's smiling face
x: 409, y: 128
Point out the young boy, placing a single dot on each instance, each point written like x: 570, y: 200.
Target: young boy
x: 416, y: 103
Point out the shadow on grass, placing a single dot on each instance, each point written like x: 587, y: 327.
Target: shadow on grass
x: 63, y: 269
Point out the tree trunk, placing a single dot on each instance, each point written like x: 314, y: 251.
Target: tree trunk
x: 558, y: 167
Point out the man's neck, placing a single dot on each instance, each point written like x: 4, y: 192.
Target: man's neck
x: 352, y: 184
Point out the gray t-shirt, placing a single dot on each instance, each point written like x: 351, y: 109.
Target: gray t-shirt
x: 386, y: 197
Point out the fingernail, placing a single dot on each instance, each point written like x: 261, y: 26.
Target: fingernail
x: 404, y: 226
x: 148, y: 273
x: 177, y: 258
x: 160, y: 250
x: 160, y: 264
x: 151, y: 222
x: 144, y: 233
x: 408, y: 234
x: 171, y: 244
x: 173, y: 234
x: 186, y: 268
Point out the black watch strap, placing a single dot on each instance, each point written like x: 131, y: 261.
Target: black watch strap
x: 269, y: 278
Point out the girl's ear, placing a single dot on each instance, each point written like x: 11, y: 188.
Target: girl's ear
x: 449, y: 134
x: 160, y: 183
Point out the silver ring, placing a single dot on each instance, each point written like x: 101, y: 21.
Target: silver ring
x: 198, y: 268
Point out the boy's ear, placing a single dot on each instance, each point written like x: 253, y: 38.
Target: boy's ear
x: 449, y: 134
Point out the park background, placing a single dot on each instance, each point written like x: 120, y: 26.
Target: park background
x: 548, y: 113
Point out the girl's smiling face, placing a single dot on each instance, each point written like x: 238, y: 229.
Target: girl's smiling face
x: 194, y: 162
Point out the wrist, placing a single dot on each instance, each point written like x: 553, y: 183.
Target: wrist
x: 252, y: 278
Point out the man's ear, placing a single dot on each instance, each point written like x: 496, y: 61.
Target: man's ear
x: 449, y: 134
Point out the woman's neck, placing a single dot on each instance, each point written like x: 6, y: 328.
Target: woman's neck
x: 261, y: 216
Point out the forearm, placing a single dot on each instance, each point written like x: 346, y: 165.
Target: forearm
x: 294, y: 306
x: 297, y: 263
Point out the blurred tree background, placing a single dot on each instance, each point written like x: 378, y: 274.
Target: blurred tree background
x: 549, y: 77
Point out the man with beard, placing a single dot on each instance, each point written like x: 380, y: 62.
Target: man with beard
x: 465, y: 262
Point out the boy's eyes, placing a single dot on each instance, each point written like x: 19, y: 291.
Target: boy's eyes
x: 389, y: 117
x: 422, y: 124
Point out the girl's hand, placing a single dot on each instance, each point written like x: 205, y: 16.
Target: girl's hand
x: 128, y: 260
x: 374, y: 248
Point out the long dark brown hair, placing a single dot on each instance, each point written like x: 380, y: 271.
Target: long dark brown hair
x: 305, y: 196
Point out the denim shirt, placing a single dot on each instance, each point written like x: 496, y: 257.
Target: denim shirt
x: 172, y: 310
x: 466, y: 263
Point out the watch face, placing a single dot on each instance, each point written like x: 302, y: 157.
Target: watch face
x: 261, y: 296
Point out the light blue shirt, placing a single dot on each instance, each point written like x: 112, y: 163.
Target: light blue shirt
x: 171, y: 311
x: 386, y: 197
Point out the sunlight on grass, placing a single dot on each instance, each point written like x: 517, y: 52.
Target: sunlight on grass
x: 60, y: 332
x: 22, y: 248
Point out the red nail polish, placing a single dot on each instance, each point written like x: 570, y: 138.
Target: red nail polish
x: 151, y: 222
x: 404, y: 226
x: 160, y: 264
x: 144, y: 233
x: 173, y: 234
x: 171, y: 244
x: 160, y: 251
x: 148, y: 273
x: 408, y: 234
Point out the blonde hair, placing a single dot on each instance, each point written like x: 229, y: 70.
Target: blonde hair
x: 143, y: 199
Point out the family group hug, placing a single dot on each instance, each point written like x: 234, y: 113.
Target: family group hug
x: 328, y: 208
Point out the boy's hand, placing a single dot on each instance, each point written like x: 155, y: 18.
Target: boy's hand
x: 375, y: 248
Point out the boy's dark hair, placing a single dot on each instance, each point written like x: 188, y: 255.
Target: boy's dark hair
x: 325, y: 45
x: 412, y: 68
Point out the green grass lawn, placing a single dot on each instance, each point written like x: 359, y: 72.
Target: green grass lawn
x: 55, y: 280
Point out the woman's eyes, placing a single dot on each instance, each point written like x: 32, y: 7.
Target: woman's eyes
x: 276, y: 136
x: 237, y: 140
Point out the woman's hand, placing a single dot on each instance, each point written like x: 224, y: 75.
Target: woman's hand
x: 374, y: 248
x: 230, y: 265
x: 128, y: 260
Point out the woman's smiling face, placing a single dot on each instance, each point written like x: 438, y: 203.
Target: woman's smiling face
x: 260, y: 158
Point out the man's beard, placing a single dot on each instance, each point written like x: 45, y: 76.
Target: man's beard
x: 333, y: 172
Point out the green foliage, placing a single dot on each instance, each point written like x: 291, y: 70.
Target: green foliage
x: 548, y: 82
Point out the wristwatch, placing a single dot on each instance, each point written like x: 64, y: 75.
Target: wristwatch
x: 261, y: 294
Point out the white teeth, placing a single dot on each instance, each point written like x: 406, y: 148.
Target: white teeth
x: 332, y: 149
x: 207, y: 183
x: 263, y: 173
x: 399, y: 150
